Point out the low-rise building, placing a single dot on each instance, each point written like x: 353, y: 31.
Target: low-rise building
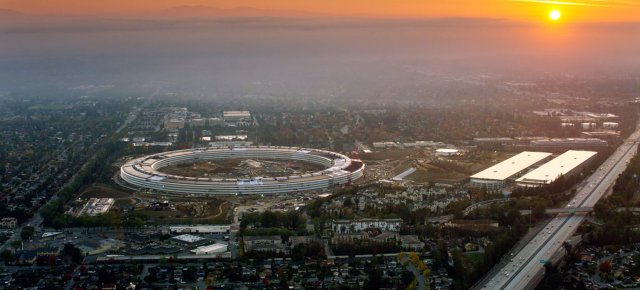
x: 348, y: 237
x: 231, y: 137
x: 561, y: 144
x: 380, y: 145
x: 202, y: 229
x: 353, y: 226
x: 298, y: 240
x: 602, y: 134
x: 214, y: 122
x: 25, y: 258
x: 210, y: 249
x: 236, y: 116
x: 189, y: 240
x: 199, y: 122
x: 96, y: 206
x: 264, y: 244
x: 483, y: 225
x: 173, y: 124
x: 49, y: 236
x: 446, y: 152
x: 411, y: 243
x: 384, y: 236
x: 47, y: 251
x: 8, y: 222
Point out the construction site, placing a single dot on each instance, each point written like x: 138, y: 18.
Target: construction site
x: 242, y: 168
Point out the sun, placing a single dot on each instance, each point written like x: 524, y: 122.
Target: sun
x: 555, y: 15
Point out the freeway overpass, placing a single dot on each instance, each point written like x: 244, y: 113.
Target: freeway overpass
x: 563, y: 210
x: 635, y: 210
x: 569, y: 210
x: 524, y: 268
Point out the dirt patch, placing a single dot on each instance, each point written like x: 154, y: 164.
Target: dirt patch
x: 186, y: 210
x: 384, y: 155
x: 431, y: 174
x: 232, y: 168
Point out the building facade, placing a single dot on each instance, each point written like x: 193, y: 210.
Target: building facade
x: 355, y: 226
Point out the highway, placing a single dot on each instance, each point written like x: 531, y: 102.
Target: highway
x: 524, y: 269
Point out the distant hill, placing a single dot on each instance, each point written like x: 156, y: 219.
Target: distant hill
x: 238, y: 12
x: 10, y: 13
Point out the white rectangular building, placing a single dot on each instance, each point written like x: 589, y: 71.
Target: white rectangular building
x: 231, y: 137
x: 202, y: 229
x: 210, y: 249
x: 236, y: 116
x: 494, y: 177
x: 568, y: 163
x: 96, y: 206
x: 354, y: 226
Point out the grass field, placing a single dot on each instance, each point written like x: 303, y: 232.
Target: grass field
x: 187, y: 209
x: 101, y: 190
x: 190, y: 210
x: 432, y: 173
x: 474, y: 257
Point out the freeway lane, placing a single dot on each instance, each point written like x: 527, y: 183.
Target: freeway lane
x: 527, y: 264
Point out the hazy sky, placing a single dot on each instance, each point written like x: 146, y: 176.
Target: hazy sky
x: 522, y: 10
x: 426, y: 41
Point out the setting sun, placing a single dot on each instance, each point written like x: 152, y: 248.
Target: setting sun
x: 554, y: 15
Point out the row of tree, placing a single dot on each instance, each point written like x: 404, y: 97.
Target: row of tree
x: 619, y: 222
x: 95, y: 169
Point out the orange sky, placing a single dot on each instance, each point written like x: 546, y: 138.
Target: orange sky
x: 579, y: 11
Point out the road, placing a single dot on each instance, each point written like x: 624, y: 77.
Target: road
x: 526, y: 267
x: 422, y: 282
x: 133, y: 115
x: 36, y: 220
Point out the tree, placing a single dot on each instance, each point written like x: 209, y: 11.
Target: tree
x: 605, y: 267
x: 538, y: 211
x: 375, y: 278
x: 16, y: 244
x: 552, y: 277
x: 7, y: 256
x: 27, y: 233
x: 72, y: 252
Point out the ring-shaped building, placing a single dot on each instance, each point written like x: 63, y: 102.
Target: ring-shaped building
x: 144, y: 172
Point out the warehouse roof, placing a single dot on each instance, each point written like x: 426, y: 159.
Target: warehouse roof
x: 200, y: 229
x: 209, y: 249
x: 511, y: 166
x: 560, y: 165
x: 187, y: 238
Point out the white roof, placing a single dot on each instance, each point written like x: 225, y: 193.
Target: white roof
x: 187, y: 238
x: 511, y: 166
x: 236, y: 113
x: 208, y: 249
x: 560, y: 165
x: 447, y: 150
x: 201, y: 228
x: 51, y: 234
